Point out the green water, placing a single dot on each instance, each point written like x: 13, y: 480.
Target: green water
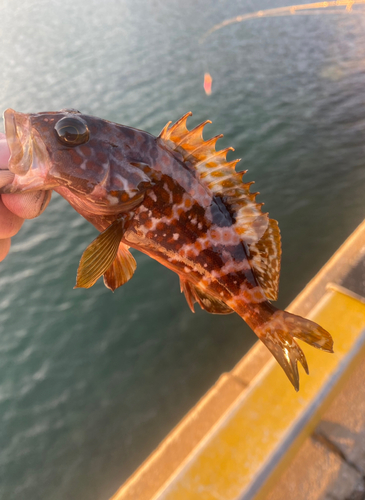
x: 91, y: 381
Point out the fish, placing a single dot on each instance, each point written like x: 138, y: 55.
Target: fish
x: 177, y: 199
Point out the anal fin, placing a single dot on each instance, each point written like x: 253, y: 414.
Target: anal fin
x: 206, y: 301
x: 121, y: 270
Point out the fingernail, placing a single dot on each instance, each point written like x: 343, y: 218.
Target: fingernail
x: 46, y: 200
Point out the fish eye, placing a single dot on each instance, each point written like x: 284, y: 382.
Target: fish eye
x: 72, y: 131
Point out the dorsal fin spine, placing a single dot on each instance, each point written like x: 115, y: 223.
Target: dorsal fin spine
x: 178, y: 128
x: 215, y: 156
x: 193, y: 138
x: 232, y: 172
x: 210, y: 143
x: 219, y: 176
x: 164, y: 130
x: 216, y: 184
x: 197, y: 131
x: 232, y: 164
x: 182, y: 120
x: 227, y: 180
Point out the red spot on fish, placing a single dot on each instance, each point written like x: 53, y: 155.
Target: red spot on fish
x: 258, y: 295
x: 198, y: 246
x: 143, y: 217
x: 168, y: 212
x: 85, y: 150
x: 101, y: 157
x: 164, y: 196
x: 75, y: 157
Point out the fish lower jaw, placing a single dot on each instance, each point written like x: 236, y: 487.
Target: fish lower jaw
x: 35, y: 179
x: 21, y: 184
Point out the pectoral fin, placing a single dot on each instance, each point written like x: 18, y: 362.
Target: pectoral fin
x: 121, y: 270
x: 99, y: 255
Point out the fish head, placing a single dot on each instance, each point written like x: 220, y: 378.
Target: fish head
x: 80, y: 156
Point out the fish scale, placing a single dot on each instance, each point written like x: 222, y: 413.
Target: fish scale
x: 173, y: 197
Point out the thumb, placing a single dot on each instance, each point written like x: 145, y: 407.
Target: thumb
x: 27, y: 205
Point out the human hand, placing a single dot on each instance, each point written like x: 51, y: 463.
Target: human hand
x: 14, y: 208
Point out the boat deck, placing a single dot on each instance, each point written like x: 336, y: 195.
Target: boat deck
x: 252, y: 437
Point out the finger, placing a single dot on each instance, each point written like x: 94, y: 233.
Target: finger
x: 10, y: 223
x: 27, y: 205
x: 4, y: 248
x: 4, y: 152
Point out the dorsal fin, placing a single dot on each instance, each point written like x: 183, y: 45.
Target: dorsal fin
x: 265, y: 260
x: 219, y: 176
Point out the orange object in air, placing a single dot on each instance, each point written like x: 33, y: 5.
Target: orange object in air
x: 208, y: 83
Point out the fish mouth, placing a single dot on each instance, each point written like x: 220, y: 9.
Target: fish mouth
x: 28, y: 155
x: 17, y: 130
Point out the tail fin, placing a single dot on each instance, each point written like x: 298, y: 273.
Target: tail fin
x: 277, y: 334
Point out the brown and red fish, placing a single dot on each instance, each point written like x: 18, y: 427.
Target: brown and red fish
x: 174, y: 198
